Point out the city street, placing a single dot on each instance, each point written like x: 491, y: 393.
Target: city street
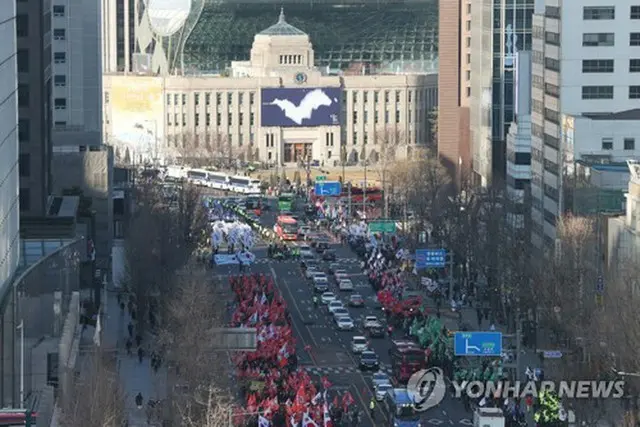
x: 330, y: 353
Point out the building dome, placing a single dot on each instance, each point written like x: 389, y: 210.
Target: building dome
x: 282, y: 28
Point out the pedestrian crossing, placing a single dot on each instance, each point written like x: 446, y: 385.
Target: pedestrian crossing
x: 344, y: 261
x: 342, y: 370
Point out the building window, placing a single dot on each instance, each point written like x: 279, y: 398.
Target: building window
x: 169, y: 122
x: 240, y: 119
x: 552, y: 64
x: 196, y: 99
x: 252, y: 97
x: 355, y: 138
x: 598, y: 39
x: 597, y: 92
x: 25, y: 199
x: 24, y: 130
x: 634, y: 39
x: 240, y: 98
x: 59, y: 57
x: 634, y: 92
x: 552, y: 116
x: 184, y: 99
x: 355, y: 117
x: 61, y: 81
x: 629, y: 143
x: 597, y: 65
x: 59, y: 34
x: 634, y: 65
x: 176, y: 122
x: 365, y: 139
x: 207, y: 119
x: 397, y: 116
x: 598, y: 13
x: 23, y: 60
x: 218, y: 98
x: 635, y: 12
x: 607, y: 143
x: 24, y: 165
x: 230, y: 98
x: 552, y: 12
x: 196, y: 119
x: 218, y: 119
x: 168, y: 99
x: 176, y: 99
x: 22, y: 25
x: 207, y: 98
x: 58, y: 10
x: 551, y: 90
x: 376, y: 96
x: 230, y: 119
x: 552, y: 38
x: 184, y: 119
x: 23, y: 95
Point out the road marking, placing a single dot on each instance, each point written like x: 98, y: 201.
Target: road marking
x: 275, y: 278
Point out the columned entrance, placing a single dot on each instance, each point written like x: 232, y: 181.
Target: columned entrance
x: 297, y: 152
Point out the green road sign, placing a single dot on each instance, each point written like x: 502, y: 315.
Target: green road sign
x: 383, y: 226
x: 321, y: 178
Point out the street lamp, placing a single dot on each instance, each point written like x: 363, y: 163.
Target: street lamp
x: 625, y: 374
x: 20, y: 327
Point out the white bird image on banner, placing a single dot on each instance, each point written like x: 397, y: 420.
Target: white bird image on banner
x: 310, y: 103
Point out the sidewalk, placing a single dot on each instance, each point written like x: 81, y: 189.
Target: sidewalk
x: 135, y: 377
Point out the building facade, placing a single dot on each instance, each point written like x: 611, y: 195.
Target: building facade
x: 519, y: 144
x: 454, y: 71
x: 257, y: 112
x: 499, y: 30
x: 77, y: 91
x: 35, y: 114
x: 9, y: 180
x: 586, y: 65
x: 118, y: 34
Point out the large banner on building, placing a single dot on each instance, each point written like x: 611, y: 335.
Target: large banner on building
x: 301, y: 106
x: 136, y: 118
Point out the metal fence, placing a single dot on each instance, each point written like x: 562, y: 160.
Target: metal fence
x: 33, y: 311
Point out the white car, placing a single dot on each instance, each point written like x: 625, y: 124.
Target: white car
x: 311, y: 270
x: 305, y: 251
x: 380, y: 378
x: 345, y: 323
x: 339, y: 312
x: 371, y: 322
x: 345, y: 285
x: 320, y: 275
x: 381, y: 391
x: 341, y: 276
x: 359, y: 344
x: 334, y: 305
x: 320, y: 284
x: 327, y: 297
x: 339, y: 271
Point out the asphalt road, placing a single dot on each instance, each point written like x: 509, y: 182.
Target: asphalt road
x: 330, y: 353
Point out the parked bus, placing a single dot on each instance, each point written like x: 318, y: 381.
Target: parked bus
x: 244, y: 185
x: 17, y: 417
x: 285, y: 202
x: 198, y: 177
x: 286, y: 227
x: 406, y: 359
x: 254, y: 204
x: 217, y: 180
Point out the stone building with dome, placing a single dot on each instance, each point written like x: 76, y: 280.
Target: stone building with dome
x: 276, y: 107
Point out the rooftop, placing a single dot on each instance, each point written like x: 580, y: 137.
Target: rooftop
x: 282, y: 28
x: 620, y: 115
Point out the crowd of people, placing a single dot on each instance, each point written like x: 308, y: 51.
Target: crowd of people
x: 275, y: 391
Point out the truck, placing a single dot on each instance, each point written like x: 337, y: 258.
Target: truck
x: 488, y: 417
x: 402, y: 412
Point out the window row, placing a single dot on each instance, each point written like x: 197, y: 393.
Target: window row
x: 607, y: 39
x: 181, y: 99
x: 355, y: 96
x: 628, y: 143
x: 606, y: 92
x: 376, y: 117
x: 607, y: 65
x: 601, y: 13
x: 181, y: 119
x: 290, y: 59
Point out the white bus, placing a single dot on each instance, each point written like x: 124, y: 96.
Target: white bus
x: 218, y: 180
x: 244, y: 185
x: 198, y: 177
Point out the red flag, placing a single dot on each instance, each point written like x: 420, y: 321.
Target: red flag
x: 347, y: 400
x: 325, y: 382
x: 301, y: 395
x: 335, y: 402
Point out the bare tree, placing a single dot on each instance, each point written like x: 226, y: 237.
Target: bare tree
x: 387, y: 141
x: 190, y: 339
x: 95, y: 398
x: 164, y: 231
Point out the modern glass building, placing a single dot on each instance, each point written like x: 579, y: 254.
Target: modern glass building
x: 342, y: 32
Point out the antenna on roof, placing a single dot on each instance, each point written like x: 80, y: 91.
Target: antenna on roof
x: 281, y: 18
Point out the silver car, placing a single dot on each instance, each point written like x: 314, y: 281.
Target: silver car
x: 381, y: 391
x: 345, y: 323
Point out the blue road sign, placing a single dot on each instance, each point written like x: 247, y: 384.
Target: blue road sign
x: 552, y: 354
x: 328, y: 188
x: 431, y: 258
x: 600, y: 285
x: 477, y: 344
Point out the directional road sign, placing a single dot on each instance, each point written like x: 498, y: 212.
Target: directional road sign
x: 328, y: 188
x: 382, y: 226
x: 431, y: 258
x: 600, y: 285
x: 478, y: 344
x: 552, y: 354
x: 321, y: 178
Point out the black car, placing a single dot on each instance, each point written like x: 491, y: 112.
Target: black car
x: 322, y: 246
x: 321, y: 287
x: 329, y: 255
x: 376, y: 332
x: 369, y: 361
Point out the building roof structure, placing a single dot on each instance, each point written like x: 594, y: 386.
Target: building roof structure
x: 282, y: 28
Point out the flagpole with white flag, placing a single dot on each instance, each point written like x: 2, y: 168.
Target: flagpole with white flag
x: 97, y: 335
